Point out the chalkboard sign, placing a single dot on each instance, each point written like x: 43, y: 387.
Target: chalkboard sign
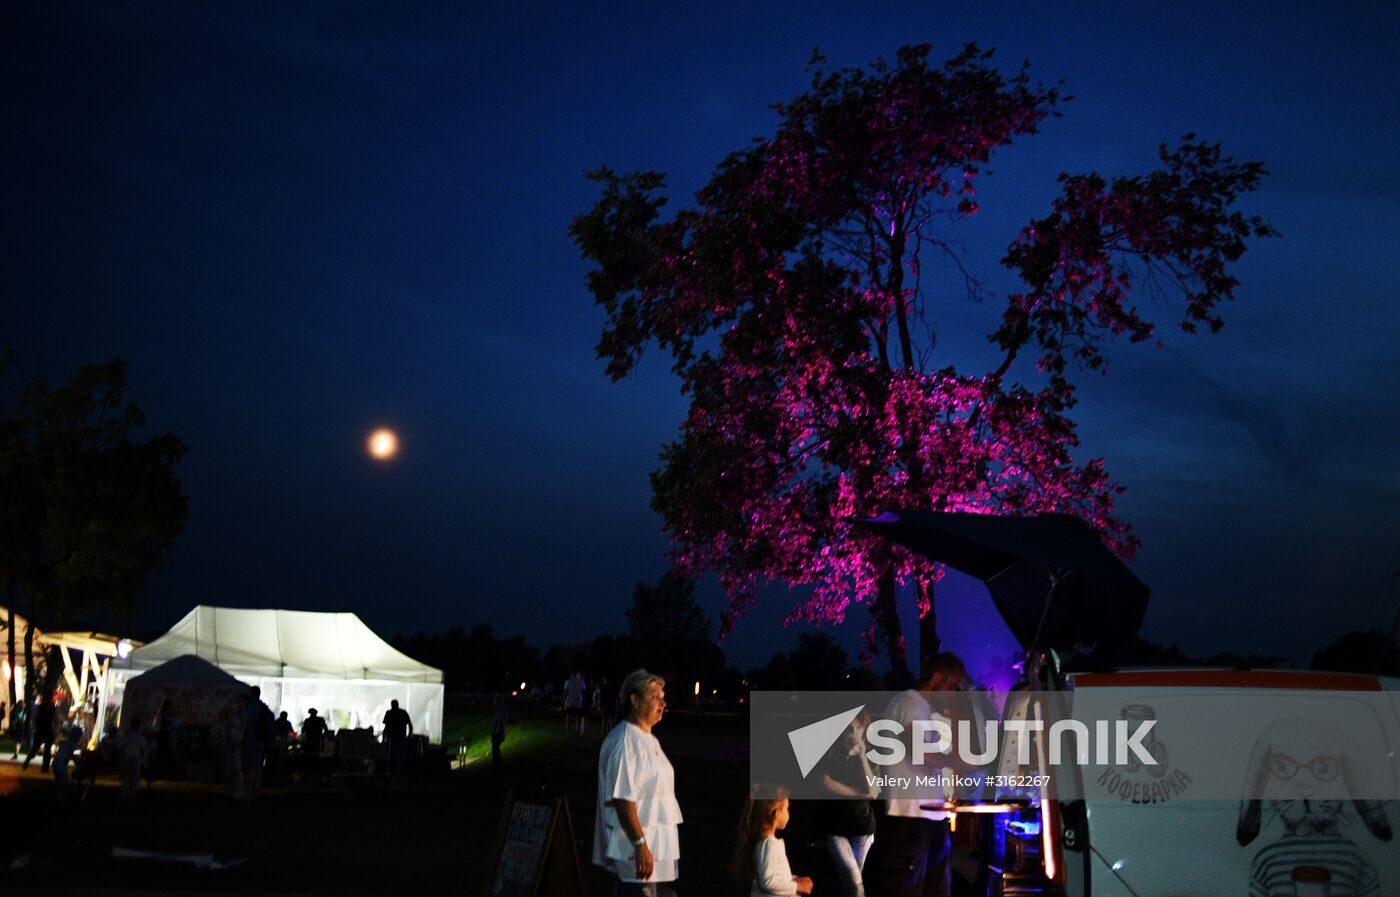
x: 535, y: 852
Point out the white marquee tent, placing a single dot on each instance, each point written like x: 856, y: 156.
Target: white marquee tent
x: 300, y: 659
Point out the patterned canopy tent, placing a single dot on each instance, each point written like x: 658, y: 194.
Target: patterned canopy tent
x: 200, y: 693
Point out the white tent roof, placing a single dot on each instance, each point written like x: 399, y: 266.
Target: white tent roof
x: 186, y: 670
x: 291, y: 643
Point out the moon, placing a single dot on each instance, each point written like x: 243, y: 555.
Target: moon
x: 383, y: 444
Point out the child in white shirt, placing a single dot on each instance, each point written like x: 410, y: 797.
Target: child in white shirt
x: 760, y: 856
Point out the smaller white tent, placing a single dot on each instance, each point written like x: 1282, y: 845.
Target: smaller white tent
x: 301, y: 659
x: 205, y: 703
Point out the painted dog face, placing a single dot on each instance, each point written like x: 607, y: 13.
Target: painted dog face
x: 1306, y: 772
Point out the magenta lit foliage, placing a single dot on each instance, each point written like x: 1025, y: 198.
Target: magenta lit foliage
x: 789, y: 300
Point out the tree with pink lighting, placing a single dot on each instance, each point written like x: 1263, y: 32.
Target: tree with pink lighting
x: 789, y: 298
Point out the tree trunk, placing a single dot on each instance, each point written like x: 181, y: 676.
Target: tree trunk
x: 29, y: 677
x: 929, y: 642
x: 10, y: 626
x: 10, y: 655
x: 886, y: 611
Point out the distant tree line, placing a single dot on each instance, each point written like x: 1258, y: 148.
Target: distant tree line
x: 1371, y: 653
x: 666, y: 631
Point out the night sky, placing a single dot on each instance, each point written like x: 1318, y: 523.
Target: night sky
x: 299, y: 226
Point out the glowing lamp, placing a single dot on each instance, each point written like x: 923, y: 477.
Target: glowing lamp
x: 123, y: 648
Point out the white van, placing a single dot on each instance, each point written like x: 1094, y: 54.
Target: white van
x: 1143, y: 833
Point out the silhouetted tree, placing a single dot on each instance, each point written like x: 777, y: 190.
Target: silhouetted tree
x: 475, y: 660
x: 1144, y: 653
x: 96, y: 509
x: 1360, y: 652
x: 815, y: 662
x: 667, y: 611
x: 818, y: 662
x: 672, y: 634
x: 791, y: 301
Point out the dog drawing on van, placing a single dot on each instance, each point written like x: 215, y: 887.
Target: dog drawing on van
x: 1306, y: 774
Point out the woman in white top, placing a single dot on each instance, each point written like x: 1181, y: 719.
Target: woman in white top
x: 635, y: 835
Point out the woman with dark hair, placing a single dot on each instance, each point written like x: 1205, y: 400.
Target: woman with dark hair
x: 847, y: 821
x: 635, y: 835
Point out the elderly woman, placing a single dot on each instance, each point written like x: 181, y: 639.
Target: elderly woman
x: 635, y: 834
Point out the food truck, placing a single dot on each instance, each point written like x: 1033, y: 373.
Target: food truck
x: 1260, y: 782
x: 1306, y: 819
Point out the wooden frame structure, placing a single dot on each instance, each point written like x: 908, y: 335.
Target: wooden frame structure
x: 95, y: 651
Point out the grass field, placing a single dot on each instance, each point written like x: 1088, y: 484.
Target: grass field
x: 363, y: 838
x: 532, y: 730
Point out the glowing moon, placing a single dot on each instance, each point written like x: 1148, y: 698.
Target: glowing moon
x: 383, y: 444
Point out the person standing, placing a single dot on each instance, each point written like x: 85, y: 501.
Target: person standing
x: 499, y: 720
x: 636, y: 827
x: 916, y: 843
x: 134, y: 752
x: 397, y: 728
x: 313, y: 736
x: 62, y: 757
x: 847, y: 822
x: 257, y: 733
x: 277, y: 747
x: 18, y: 724
x: 574, y: 718
x: 42, y: 734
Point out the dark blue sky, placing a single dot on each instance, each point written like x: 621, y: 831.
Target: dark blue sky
x: 297, y: 226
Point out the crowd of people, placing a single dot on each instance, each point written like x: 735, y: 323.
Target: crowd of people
x: 35, y: 728
x: 636, y: 826
x: 636, y: 830
x: 259, y: 745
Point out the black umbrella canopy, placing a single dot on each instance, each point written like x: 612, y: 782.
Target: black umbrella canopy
x: 1098, y: 603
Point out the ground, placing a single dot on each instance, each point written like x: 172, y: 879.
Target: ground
x: 430, y: 838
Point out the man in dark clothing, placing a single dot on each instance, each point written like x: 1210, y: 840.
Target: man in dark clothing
x: 43, y: 734
x: 313, y: 735
x: 499, y: 720
x: 17, y: 726
x: 397, y: 728
x: 257, y: 734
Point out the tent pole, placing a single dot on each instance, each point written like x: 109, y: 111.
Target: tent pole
x: 1033, y: 656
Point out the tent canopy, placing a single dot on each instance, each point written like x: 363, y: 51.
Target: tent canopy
x: 283, y: 643
x: 1096, y: 606
x: 185, y: 671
